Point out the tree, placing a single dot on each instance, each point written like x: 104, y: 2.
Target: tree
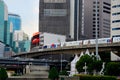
x: 53, y: 74
x: 81, y: 63
x: 64, y: 72
x: 3, y: 74
x: 91, y: 62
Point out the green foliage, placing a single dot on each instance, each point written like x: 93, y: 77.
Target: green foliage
x: 113, y: 69
x: 89, y: 77
x: 97, y: 65
x: 3, y: 74
x: 15, y: 74
x: 64, y: 72
x: 91, y: 62
x: 53, y: 74
x: 81, y: 63
x: 105, y: 56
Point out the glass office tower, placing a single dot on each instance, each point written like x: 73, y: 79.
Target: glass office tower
x: 54, y: 16
x: 3, y: 21
x: 16, y: 21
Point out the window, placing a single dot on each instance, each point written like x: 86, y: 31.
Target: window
x: 106, y: 7
x: 106, y: 3
x: 116, y: 28
x: 95, y: 14
x: 55, y: 12
x: 115, y: 21
x: 118, y: 13
x: 115, y: 6
x: 106, y: 11
x: 54, y: 1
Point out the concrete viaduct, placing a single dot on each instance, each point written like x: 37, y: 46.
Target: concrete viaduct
x: 115, y: 47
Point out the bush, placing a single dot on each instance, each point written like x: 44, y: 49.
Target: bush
x: 113, y: 69
x: 64, y: 72
x: 89, y: 77
x: 53, y: 74
x: 3, y: 74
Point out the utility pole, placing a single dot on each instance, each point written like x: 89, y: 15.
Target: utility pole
x: 96, y: 29
x: 77, y: 20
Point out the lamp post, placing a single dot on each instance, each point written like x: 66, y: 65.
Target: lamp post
x: 96, y: 29
x: 77, y: 19
x: 61, y: 62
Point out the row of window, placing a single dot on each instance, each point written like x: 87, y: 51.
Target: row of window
x: 95, y: 2
x: 116, y: 36
x: 54, y: 1
x: 118, y: 13
x: 115, y: 6
x: 108, y: 8
x: 116, y: 28
x: 106, y: 3
x: 115, y: 21
x: 55, y: 12
x: 95, y: 36
x: 95, y: 28
x: 108, y: 12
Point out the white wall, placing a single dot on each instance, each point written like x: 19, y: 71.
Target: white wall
x: 53, y: 38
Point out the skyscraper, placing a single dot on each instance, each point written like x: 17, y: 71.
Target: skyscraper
x: 86, y: 20
x: 54, y: 16
x: 115, y: 18
x: 20, y: 41
x: 75, y: 18
x: 16, y: 21
x: 3, y: 21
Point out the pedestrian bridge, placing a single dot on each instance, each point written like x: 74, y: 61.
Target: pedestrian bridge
x: 115, y: 47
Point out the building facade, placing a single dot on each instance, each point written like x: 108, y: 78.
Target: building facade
x: 54, y: 16
x: 115, y: 18
x: 86, y: 20
x: 3, y: 21
x: 20, y: 40
x: 75, y: 18
x: 2, y: 47
x: 16, y: 21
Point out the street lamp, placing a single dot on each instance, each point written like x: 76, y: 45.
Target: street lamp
x: 77, y: 19
x: 61, y: 62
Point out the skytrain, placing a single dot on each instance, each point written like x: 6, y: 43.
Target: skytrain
x: 83, y: 42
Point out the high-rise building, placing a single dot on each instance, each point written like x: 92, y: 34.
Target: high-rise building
x: 3, y: 21
x: 2, y: 47
x: 75, y: 18
x: 54, y: 16
x: 20, y: 41
x: 10, y: 34
x: 16, y: 21
x: 85, y: 18
x: 115, y: 18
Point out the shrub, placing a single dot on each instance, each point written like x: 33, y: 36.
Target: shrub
x: 64, y: 72
x: 3, y: 74
x: 53, y: 74
x: 89, y: 77
x: 113, y: 69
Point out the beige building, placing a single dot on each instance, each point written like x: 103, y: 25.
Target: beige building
x: 115, y: 18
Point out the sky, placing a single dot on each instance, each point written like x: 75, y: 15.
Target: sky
x: 28, y: 11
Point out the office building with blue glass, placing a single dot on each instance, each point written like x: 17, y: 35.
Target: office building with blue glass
x: 16, y: 21
x: 3, y: 21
